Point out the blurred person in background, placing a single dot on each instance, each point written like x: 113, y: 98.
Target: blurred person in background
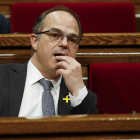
x: 5, y: 27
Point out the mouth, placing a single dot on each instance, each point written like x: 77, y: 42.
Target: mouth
x: 59, y: 54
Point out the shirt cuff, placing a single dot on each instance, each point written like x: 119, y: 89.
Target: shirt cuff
x: 75, y: 101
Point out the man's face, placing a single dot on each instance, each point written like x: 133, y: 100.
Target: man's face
x: 44, y: 57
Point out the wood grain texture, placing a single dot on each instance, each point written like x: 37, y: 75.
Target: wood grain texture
x: 100, y: 48
x: 5, y: 9
x: 88, y: 39
x: 94, y: 48
x: 87, y: 126
x: 15, y: 40
x: 111, y: 39
x: 16, y: 1
x: 52, y: 124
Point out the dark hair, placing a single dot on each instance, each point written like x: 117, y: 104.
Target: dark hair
x: 38, y: 25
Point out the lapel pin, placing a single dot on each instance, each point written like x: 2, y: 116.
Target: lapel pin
x: 67, y: 98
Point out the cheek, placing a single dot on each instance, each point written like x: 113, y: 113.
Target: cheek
x: 46, y: 48
x: 73, y: 53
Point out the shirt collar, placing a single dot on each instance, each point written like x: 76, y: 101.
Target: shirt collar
x: 34, y: 75
x: 56, y: 82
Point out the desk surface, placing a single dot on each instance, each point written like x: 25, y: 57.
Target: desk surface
x: 75, y: 126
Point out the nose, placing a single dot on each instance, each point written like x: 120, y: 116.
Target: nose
x: 64, y: 42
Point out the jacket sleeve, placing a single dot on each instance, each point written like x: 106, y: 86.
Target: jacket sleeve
x: 88, y: 105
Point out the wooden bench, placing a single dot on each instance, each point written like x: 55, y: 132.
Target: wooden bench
x: 79, y: 127
x: 94, y: 48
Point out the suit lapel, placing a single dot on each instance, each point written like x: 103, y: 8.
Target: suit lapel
x: 17, y: 83
x: 63, y: 107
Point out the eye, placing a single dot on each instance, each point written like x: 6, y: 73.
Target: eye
x: 73, y: 40
x: 55, y: 35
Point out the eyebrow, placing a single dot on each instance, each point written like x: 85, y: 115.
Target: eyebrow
x: 58, y: 30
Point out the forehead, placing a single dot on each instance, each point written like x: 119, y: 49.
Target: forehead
x: 63, y: 21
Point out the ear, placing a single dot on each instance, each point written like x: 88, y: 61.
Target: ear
x: 34, y: 41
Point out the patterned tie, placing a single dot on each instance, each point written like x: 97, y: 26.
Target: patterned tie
x: 48, y: 108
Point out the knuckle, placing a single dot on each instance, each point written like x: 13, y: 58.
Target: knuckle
x: 60, y: 63
x: 79, y: 65
x: 68, y: 73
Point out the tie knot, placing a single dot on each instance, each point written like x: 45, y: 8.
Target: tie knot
x: 46, y: 84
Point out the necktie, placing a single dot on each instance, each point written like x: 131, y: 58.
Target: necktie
x: 48, y: 108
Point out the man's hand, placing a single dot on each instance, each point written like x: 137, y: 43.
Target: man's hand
x: 71, y: 70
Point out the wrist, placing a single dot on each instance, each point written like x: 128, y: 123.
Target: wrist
x: 76, y: 91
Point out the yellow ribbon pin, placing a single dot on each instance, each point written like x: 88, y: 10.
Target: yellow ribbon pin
x: 67, y: 98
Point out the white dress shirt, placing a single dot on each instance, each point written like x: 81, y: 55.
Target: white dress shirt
x: 31, y: 105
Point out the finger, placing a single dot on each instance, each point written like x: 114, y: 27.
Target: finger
x: 67, y: 59
x: 61, y: 72
x: 63, y: 65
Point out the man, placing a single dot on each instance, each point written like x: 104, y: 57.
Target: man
x: 55, y: 40
x: 5, y: 27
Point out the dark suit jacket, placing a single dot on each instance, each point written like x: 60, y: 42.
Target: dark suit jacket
x: 12, y: 82
x: 5, y: 27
